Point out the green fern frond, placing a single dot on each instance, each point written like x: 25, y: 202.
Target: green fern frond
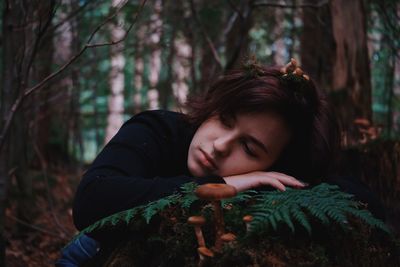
x: 286, y: 217
x: 188, y: 188
x: 129, y: 215
x: 301, y: 217
x: 240, y: 197
x: 189, y: 196
x: 155, y: 207
x: 324, y: 202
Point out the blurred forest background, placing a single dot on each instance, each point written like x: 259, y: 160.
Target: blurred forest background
x: 73, y: 70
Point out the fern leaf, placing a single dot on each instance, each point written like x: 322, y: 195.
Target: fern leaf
x: 301, y: 217
x: 188, y: 200
x: 241, y: 197
x: 317, y: 213
x: 368, y: 218
x: 188, y: 188
x: 129, y: 214
x: 273, y: 222
x: 286, y: 217
x: 154, y: 207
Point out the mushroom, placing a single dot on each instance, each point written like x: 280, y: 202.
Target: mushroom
x: 298, y: 72
x: 197, y: 222
x: 228, y: 237
x: 247, y: 220
x: 204, y: 253
x: 214, y: 193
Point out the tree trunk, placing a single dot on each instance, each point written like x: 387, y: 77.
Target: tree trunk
x: 279, y: 56
x: 116, y: 79
x: 23, y: 24
x: 181, y: 71
x: 138, y: 70
x: 351, y: 88
x: 155, y: 57
x: 40, y: 123
x: 237, y: 36
x: 317, y: 46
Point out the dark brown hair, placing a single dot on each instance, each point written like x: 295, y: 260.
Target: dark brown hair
x: 303, y: 107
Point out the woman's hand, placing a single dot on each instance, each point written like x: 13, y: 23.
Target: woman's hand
x: 255, y: 179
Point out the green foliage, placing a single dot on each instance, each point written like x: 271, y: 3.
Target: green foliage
x: 157, y: 206
x: 324, y: 202
x: 148, y: 211
x: 272, y: 208
x: 188, y: 195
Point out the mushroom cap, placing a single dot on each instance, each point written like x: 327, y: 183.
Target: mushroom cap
x: 247, y: 218
x: 196, y: 220
x: 228, y: 237
x: 205, y: 252
x: 215, y: 191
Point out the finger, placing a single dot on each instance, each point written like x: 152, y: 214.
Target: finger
x: 274, y: 183
x: 289, y: 180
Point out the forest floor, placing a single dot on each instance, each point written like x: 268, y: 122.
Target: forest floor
x: 35, y: 237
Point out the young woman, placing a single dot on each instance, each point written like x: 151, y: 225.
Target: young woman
x: 255, y: 127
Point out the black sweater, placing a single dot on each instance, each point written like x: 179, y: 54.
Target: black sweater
x: 147, y: 160
x: 144, y: 161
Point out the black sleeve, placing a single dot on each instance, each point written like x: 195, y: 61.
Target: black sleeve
x: 140, y: 164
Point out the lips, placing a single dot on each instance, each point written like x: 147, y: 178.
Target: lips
x: 207, y: 161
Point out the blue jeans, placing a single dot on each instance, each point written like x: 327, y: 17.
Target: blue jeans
x: 78, y: 252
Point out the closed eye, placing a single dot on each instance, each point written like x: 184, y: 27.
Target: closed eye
x: 247, y: 149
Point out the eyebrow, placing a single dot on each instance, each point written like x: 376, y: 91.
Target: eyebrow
x: 258, y: 143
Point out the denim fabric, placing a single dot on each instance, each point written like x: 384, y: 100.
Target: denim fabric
x: 78, y: 252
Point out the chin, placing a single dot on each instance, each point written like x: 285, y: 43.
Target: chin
x: 193, y: 169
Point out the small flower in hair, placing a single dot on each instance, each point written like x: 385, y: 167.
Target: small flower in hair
x: 252, y: 68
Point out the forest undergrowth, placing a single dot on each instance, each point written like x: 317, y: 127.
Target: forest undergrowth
x: 35, y: 237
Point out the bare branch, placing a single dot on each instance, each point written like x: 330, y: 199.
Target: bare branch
x: 37, y: 228
x: 43, y: 164
x: 243, y: 33
x: 29, y: 91
x: 73, y: 14
x: 40, y: 36
x: 205, y: 35
x: 236, y: 9
x: 274, y: 4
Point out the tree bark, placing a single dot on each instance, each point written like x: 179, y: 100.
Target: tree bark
x: 138, y: 70
x: 351, y: 87
x: 237, y: 38
x: 116, y: 79
x: 155, y: 57
x: 318, y: 46
x: 24, y: 24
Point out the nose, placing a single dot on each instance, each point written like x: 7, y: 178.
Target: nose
x: 222, y: 145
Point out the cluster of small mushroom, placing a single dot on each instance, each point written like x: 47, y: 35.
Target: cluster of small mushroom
x: 214, y: 193
x: 293, y: 68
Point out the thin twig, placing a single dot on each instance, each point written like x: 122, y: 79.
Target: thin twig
x: 270, y: 4
x: 236, y: 9
x: 37, y: 228
x: 72, y: 14
x: 43, y: 164
x: 242, y: 35
x: 40, y: 35
x: 29, y: 91
x: 205, y: 35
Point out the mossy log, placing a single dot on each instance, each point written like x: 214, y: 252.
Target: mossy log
x: 326, y: 246
x: 377, y: 163
x: 170, y: 241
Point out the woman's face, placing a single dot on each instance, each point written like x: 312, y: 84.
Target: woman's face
x: 252, y: 142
